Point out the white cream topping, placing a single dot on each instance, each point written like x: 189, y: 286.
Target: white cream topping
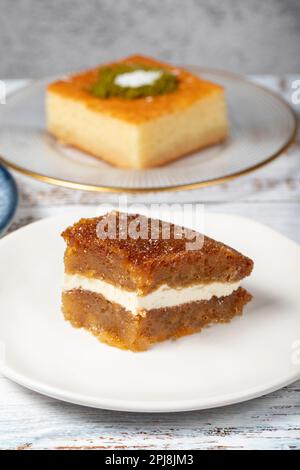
x: 164, y: 296
x: 137, y: 78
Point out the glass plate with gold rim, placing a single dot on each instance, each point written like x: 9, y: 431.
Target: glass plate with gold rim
x: 262, y: 126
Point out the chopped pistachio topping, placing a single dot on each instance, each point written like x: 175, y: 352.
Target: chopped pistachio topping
x: 129, y: 82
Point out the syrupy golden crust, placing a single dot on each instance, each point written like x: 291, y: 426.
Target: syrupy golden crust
x: 112, y: 324
x: 145, y: 264
x: 191, y: 89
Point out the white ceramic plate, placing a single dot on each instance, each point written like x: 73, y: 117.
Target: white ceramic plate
x: 262, y: 126
x: 251, y: 356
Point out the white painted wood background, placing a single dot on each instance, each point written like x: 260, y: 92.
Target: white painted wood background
x: 31, y: 421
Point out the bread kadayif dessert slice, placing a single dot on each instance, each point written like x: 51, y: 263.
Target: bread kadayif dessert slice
x: 132, y: 292
x: 136, y: 112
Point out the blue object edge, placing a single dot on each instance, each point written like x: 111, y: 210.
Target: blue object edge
x: 9, y: 198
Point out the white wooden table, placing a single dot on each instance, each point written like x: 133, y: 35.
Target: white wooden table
x: 32, y: 421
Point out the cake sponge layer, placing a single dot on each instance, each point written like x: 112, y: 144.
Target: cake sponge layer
x: 144, y: 264
x: 114, y: 325
x: 141, y: 132
x: 141, y: 145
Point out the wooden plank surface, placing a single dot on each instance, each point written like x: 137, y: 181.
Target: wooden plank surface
x: 32, y: 421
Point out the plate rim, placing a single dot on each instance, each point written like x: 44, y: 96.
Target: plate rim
x: 144, y: 406
x: 178, y: 187
x: 14, y: 199
x: 165, y: 406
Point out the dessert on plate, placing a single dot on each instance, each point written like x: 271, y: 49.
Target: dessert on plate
x: 136, y: 112
x: 134, y: 290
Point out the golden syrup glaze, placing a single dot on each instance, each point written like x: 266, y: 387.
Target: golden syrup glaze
x: 149, y: 261
x: 190, y: 89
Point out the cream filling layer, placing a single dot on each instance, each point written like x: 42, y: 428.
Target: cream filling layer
x: 162, y: 297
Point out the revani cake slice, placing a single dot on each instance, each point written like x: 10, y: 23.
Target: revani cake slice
x: 134, y: 281
x: 136, y: 112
